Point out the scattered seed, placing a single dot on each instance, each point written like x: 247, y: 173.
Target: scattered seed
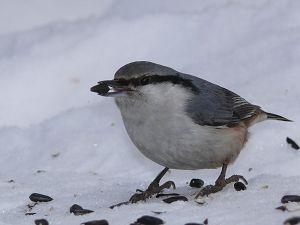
x: 77, y: 210
x: 292, y: 221
x: 239, y: 186
x: 193, y: 224
x: 166, y: 195
x: 205, y: 222
x: 75, y: 207
x: 158, y: 213
x: 290, y: 198
x: 41, y: 222
x: 82, y: 212
x: 174, y: 199
x: 29, y: 214
x: 55, y: 155
x: 282, y: 208
x: 102, y: 88
x: 196, y: 183
x: 149, y: 220
x: 95, y: 222
x: 36, y: 197
x: 292, y: 143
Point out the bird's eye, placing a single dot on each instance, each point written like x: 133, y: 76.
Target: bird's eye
x: 145, y: 80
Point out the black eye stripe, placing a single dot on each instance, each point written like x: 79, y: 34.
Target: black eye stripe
x: 123, y: 81
x: 154, y: 79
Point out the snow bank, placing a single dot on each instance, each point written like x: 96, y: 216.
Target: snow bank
x: 57, y: 138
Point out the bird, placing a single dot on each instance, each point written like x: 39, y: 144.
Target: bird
x: 181, y: 121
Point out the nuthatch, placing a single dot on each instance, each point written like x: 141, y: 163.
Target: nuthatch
x: 181, y: 121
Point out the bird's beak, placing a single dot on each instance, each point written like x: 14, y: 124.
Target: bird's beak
x: 111, y: 88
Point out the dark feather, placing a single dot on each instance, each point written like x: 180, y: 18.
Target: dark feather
x: 277, y: 117
x: 217, y: 106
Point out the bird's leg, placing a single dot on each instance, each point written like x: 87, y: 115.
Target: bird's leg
x: 153, y: 188
x: 220, y: 183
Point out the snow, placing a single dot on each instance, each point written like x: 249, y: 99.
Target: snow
x: 58, y: 138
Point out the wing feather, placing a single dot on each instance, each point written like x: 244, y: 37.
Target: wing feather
x: 216, y: 106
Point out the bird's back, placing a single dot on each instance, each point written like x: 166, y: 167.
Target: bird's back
x: 214, y: 105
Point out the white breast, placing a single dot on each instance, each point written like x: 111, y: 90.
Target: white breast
x: 159, y: 127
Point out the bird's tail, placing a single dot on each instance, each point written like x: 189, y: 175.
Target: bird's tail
x: 272, y: 116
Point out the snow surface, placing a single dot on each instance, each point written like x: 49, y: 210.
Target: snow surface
x: 58, y: 138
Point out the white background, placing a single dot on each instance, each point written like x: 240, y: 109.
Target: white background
x: 52, y: 52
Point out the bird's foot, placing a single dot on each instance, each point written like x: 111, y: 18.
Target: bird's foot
x: 154, y: 188
x: 220, y: 183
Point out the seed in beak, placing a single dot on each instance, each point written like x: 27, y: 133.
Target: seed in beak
x: 101, y: 88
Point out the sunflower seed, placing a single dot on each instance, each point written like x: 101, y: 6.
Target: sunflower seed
x: 292, y: 143
x: 290, y: 198
x: 36, y: 197
x: 157, y: 212
x: 193, y: 224
x: 96, y: 222
x: 148, y: 220
x: 77, y: 210
x: 282, y: 208
x: 166, y: 195
x: 292, y: 221
x: 239, y: 186
x: 102, y: 88
x: 205, y: 222
x: 174, y: 199
x: 196, y: 183
x: 75, y: 207
x: 41, y: 222
x: 29, y: 214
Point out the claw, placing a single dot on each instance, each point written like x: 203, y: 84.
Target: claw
x: 151, y: 190
x: 119, y: 204
x: 154, y: 188
x: 209, y: 189
x: 220, y: 183
x: 235, y: 178
x: 140, y: 196
x: 168, y: 185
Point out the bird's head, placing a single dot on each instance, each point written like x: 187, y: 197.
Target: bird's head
x: 142, y: 79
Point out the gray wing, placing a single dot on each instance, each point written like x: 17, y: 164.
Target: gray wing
x: 217, y: 106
